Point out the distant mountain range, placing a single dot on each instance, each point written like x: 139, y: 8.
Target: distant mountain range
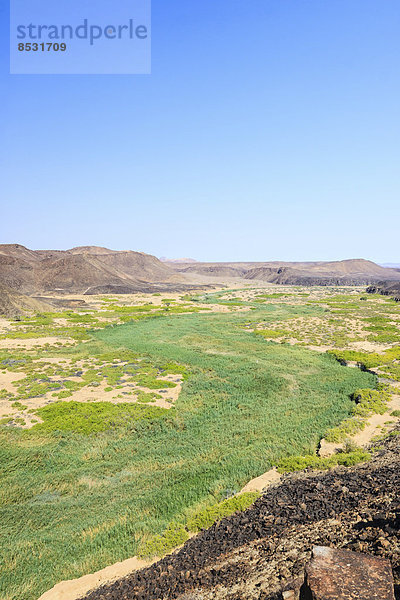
x: 177, y: 260
x: 344, y: 272
x: 98, y: 270
x: 391, y: 265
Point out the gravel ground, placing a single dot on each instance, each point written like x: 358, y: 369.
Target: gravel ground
x: 257, y: 554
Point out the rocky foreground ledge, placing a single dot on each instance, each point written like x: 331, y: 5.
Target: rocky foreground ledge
x: 262, y: 553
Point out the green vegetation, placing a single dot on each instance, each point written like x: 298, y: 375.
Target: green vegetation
x: 204, y: 518
x: 311, y: 461
x: 159, y: 545
x: 368, y: 402
x: 273, y: 333
x: 99, y: 480
x: 92, y: 417
x: 177, y: 533
x: 367, y: 359
x: 347, y: 428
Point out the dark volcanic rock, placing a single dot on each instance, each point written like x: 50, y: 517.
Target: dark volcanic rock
x: 386, y: 288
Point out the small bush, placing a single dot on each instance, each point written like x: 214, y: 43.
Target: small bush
x: 311, y: 461
x: 207, y: 516
x: 159, y: 545
x: 370, y: 402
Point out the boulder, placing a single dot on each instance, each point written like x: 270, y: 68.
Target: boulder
x: 345, y: 575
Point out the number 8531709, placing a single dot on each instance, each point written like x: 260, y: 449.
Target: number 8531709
x: 42, y: 47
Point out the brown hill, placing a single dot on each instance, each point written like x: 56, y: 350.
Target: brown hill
x: 18, y: 252
x: 80, y: 269
x: 13, y: 304
x: 91, y: 250
x: 345, y: 272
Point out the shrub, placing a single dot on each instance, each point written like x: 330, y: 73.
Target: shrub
x: 207, y: 516
x: 159, y: 545
x: 370, y: 402
x: 348, y: 428
x: 311, y: 461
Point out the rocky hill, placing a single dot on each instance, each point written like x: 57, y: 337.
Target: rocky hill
x: 260, y: 553
x: 386, y: 288
x: 345, y: 272
x: 83, y: 270
x: 98, y: 270
x: 14, y: 304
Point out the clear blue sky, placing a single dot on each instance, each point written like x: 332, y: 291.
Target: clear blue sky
x: 269, y: 129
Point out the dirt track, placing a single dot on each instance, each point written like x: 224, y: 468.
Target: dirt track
x: 254, y: 555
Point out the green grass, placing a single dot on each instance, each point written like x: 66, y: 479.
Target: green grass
x: 273, y: 333
x: 73, y: 502
x: 92, y: 417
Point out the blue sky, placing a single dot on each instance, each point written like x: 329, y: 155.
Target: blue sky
x: 268, y: 129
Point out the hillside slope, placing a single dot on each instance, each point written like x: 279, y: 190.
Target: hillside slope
x: 81, y: 270
x: 13, y: 304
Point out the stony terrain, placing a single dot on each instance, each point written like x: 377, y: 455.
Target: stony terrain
x: 386, y: 288
x: 259, y: 553
x: 97, y: 270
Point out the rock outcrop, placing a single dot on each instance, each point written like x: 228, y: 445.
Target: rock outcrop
x: 344, y: 575
x: 13, y: 304
x: 386, y: 288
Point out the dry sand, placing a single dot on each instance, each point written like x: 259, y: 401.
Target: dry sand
x: 258, y: 484
x: 76, y: 588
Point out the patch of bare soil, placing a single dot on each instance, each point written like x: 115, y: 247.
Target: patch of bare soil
x: 29, y: 343
x: 258, y: 484
x: 73, y: 589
